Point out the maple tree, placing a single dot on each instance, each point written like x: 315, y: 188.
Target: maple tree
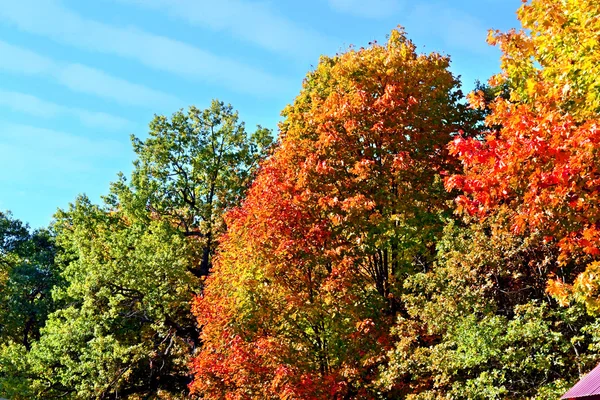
x: 335, y: 264
x: 309, y: 275
x: 480, y: 324
x: 539, y: 169
x: 554, y: 58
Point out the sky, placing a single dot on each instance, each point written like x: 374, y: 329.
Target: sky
x: 78, y: 78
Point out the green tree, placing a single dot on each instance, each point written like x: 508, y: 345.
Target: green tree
x: 27, y: 276
x: 133, y: 264
x: 191, y: 169
x: 479, y: 325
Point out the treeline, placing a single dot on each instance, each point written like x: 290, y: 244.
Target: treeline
x: 100, y: 308
x: 396, y: 241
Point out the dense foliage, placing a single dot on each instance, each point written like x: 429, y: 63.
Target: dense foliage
x: 397, y: 241
x: 27, y: 275
x: 132, y: 265
x: 309, y: 277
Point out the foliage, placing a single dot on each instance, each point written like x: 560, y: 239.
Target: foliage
x: 530, y: 179
x: 308, y: 277
x: 479, y: 325
x: 125, y: 328
x: 541, y: 167
x: 342, y: 267
x: 27, y: 274
x: 555, y: 58
x: 190, y: 170
x: 133, y: 264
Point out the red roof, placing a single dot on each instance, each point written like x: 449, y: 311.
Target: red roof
x: 588, y: 388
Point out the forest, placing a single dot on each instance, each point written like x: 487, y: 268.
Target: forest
x: 395, y: 239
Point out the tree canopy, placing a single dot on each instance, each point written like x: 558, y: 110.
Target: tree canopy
x: 132, y: 264
x: 309, y: 276
x: 398, y: 240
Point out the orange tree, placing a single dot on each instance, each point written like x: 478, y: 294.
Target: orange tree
x: 541, y: 168
x: 308, y: 279
x: 480, y: 323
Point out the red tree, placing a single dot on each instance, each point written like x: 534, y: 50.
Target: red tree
x: 307, y: 281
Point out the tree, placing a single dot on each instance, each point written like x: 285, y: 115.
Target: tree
x: 309, y: 275
x: 479, y: 325
x: 132, y: 264
x: 27, y: 276
x: 540, y: 169
x: 533, y: 177
x: 555, y: 58
x: 191, y: 169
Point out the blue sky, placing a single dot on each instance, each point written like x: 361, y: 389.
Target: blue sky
x: 77, y: 78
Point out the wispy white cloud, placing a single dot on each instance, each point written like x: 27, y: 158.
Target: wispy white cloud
x: 367, y: 9
x: 47, y: 155
x: 51, y: 19
x: 15, y: 59
x: 80, y: 78
x: 32, y: 105
x: 249, y: 21
x: 455, y: 28
x: 48, y: 168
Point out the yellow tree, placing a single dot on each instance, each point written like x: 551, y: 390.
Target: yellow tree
x: 555, y: 57
x: 540, y: 168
